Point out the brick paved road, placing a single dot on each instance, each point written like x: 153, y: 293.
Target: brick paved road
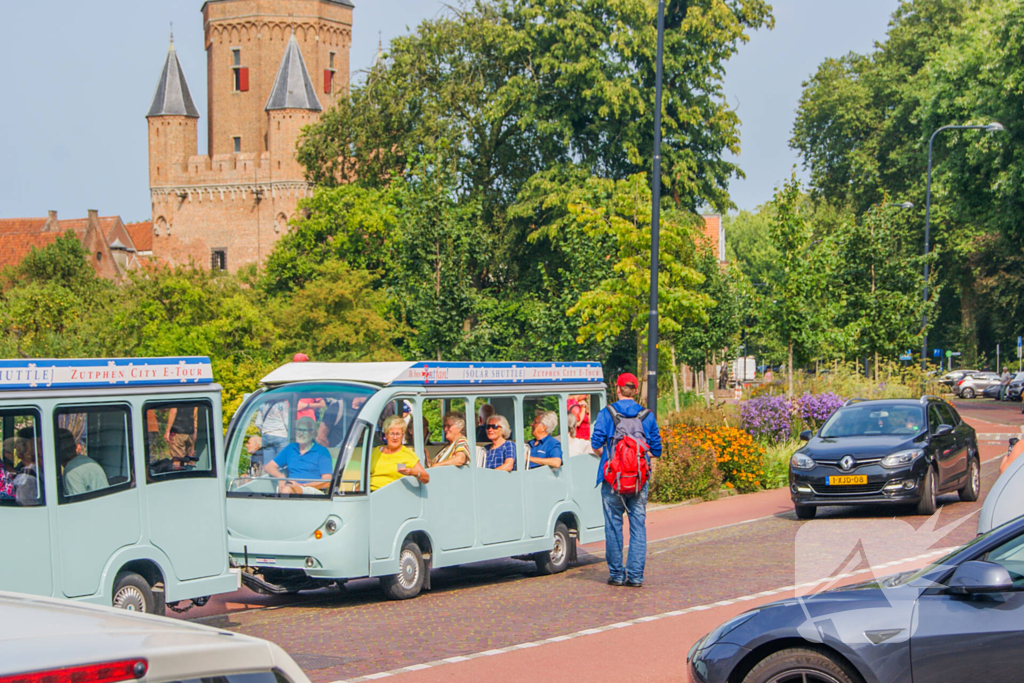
x: 339, y: 635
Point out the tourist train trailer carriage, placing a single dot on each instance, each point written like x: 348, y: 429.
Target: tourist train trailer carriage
x: 98, y: 504
x: 290, y: 541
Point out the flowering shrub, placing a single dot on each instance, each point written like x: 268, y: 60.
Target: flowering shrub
x: 685, y: 470
x: 816, y: 408
x: 739, y: 459
x: 767, y: 418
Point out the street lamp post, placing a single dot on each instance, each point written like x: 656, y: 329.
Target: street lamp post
x: 652, y: 316
x: 993, y: 127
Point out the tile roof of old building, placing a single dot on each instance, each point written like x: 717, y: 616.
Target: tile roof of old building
x: 141, y: 234
x: 293, y: 88
x: 172, y: 97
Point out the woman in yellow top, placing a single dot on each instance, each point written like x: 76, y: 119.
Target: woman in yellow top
x: 392, y: 461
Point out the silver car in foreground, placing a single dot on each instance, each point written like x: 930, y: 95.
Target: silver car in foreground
x: 44, y: 639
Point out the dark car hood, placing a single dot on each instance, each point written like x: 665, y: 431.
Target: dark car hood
x: 833, y: 449
x: 847, y: 615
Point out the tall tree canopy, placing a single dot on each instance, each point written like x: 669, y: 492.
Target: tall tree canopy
x: 863, y: 126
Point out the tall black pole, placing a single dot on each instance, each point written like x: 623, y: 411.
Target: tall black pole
x: 652, y: 317
x: 993, y: 127
x: 927, y: 229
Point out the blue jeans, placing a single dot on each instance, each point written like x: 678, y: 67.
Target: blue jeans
x: 635, y: 507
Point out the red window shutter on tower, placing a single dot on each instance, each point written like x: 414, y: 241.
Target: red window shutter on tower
x: 328, y: 78
x: 243, y: 79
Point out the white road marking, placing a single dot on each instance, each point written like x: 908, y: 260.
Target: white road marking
x: 640, y: 620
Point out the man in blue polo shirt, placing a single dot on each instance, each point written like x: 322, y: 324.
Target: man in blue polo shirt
x: 602, y: 440
x: 307, y: 462
x: 545, y: 449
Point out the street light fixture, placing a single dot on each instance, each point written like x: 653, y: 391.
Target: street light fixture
x: 993, y: 127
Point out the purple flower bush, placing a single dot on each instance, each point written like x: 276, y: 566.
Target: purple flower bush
x: 816, y: 408
x: 767, y: 418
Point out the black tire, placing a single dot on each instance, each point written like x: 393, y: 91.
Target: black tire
x: 805, y: 511
x: 408, y: 582
x: 927, y: 504
x: 971, y: 489
x: 801, y: 664
x: 557, y: 559
x: 967, y: 393
x: 133, y: 593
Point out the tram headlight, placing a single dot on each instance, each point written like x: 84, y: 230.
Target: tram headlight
x: 331, y: 526
x: 310, y: 563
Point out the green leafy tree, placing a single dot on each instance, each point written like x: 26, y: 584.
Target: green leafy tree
x: 697, y: 342
x: 800, y: 303
x: 619, y: 304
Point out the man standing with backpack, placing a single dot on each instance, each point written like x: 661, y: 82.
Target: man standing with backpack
x: 626, y: 437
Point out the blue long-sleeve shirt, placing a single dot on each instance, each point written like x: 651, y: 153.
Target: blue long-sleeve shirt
x: 604, y: 429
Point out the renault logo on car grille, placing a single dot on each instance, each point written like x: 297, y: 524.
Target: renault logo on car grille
x: 847, y: 463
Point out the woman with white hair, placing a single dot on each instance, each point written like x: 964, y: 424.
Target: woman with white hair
x: 545, y: 449
x: 577, y: 446
x: 456, y: 453
x: 501, y: 455
x: 394, y: 460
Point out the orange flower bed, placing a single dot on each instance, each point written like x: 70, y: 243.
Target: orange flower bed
x: 739, y: 458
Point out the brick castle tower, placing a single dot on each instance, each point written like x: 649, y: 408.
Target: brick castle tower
x: 226, y: 208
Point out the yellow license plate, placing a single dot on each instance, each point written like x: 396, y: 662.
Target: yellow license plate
x: 848, y: 480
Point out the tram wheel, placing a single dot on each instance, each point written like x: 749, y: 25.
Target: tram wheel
x: 557, y: 559
x: 408, y: 582
x: 133, y: 593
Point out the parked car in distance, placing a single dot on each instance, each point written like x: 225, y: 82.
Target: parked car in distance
x: 993, y: 391
x: 1013, y: 389
x: 950, y: 379
x: 970, y: 386
x: 889, y: 451
x: 50, y: 639
x: 957, y: 619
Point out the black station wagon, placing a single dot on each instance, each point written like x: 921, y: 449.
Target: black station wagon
x: 886, y: 452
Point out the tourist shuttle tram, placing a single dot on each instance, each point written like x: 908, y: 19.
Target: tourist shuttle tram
x: 288, y: 534
x: 111, y: 483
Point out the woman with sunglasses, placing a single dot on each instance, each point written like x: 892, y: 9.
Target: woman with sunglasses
x: 501, y: 455
x: 394, y: 460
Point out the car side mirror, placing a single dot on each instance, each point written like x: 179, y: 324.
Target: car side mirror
x: 806, y: 435
x: 943, y: 430
x: 977, y: 576
x: 1013, y: 441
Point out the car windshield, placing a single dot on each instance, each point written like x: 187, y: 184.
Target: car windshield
x: 289, y: 440
x: 874, y: 419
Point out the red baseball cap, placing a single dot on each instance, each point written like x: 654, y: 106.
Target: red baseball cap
x: 300, y: 358
x: 627, y: 378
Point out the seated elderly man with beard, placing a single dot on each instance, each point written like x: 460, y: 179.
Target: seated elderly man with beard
x: 308, y: 464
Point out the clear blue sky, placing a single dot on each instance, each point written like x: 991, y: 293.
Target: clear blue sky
x: 78, y: 78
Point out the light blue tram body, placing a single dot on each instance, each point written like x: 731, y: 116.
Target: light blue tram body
x: 463, y: 515
x: 167, y: 528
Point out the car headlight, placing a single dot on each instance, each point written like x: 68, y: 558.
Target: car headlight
x: 802, y: 461
x: 901, y: 458
x: 728, y: 627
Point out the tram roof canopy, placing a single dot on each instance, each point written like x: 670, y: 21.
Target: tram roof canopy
x: 81, y: 373
x: 440, y: 373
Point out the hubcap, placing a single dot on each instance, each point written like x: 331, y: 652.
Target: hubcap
x: 975, y: 476
x: 130, y: 598
x: 803, y: 676
x: 408, y: 570
x: 558, y: 550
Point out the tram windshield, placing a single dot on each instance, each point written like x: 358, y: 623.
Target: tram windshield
x: 289, y: 441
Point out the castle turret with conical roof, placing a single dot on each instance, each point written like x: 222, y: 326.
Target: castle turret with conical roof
x: 173, y: 120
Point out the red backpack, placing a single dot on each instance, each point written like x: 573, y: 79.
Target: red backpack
x: 627, y: 468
